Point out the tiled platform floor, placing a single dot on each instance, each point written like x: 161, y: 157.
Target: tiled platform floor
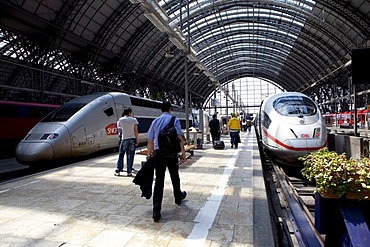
x: 85, y: 205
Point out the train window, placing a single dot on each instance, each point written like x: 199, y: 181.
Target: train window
x: 294, y: 106
x: 133, y: 101
x: 265, y: 121
x: 63, y: 113
x: 177, y: 109
x: 109, y: 112
x: 144, y: 124
x: 152, y: 104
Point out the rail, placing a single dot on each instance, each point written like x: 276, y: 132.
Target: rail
x: 299, y: 217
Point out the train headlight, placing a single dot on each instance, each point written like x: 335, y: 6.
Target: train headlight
x: 49, y: 136
x: 316, y: 133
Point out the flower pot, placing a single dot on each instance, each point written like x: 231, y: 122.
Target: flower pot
x: 363, y: 195
x: 329, y: 195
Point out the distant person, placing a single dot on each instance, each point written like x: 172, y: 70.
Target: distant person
x: 234, y: 127
x: 129, y: 141
x: 161, y: 162
x: 244, y: 125
x: 214, y: 126
x: 249, y: 124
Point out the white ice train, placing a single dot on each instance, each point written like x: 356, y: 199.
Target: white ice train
x: 85, y: 125
x: 290, y: 125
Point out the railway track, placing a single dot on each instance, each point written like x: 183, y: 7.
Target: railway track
x: 292, y: 205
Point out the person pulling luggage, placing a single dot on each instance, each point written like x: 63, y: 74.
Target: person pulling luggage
x: 214, y: 126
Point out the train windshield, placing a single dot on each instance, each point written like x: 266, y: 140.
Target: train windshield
x: 63, y: 113
x: 67, y: 110
x: 295, y: 106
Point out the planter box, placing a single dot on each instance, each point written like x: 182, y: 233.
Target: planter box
x: 342, y: 220
x: 350, y: 196
x: 327, y: 209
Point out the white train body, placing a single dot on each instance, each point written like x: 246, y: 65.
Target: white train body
x: 290, y: 125
x: 86, y: 125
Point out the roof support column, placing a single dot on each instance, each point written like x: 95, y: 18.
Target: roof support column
x: 186, y: 73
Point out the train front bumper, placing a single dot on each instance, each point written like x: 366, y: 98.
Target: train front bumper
x: 34, y: 151
x: 295, y: 148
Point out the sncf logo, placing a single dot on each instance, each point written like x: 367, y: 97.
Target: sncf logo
x: 111, y: 129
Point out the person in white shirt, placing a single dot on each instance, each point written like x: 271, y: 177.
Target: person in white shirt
x: 129, y: 141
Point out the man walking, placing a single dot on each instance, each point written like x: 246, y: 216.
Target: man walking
x: 161, y: 162
x: 130, y: 139
x: 214, y: 126
x: 234, y: 126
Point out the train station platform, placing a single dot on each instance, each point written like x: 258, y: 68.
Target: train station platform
x: 84, y: 204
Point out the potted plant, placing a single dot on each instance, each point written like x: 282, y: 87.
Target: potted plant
x: 336, y: 176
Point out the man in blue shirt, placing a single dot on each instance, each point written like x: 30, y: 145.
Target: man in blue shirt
x: 160, y: 162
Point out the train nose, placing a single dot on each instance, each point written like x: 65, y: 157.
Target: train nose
x: 300, y: 147
x: 34, y: 151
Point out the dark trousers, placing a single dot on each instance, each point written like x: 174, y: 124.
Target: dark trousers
x: 234, y: 138
x: 160, y: 164
x: 215, y: 136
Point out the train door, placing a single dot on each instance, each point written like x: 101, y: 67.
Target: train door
x: 79, y: 139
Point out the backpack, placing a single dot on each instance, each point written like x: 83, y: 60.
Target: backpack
x: 168, y: 142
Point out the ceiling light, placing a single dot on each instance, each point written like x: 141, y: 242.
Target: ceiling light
x: 207, y: 73
x: 169, y: 54
x: 212, y: 78
x: 136, y: 1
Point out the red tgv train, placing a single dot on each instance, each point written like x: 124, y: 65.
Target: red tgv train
x: 16, y: 119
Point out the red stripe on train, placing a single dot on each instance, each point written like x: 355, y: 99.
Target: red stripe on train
x: 290, y: 147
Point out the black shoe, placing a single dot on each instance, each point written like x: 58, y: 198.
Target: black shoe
x: 232, y: 146
x: 183, y: 196
x: 156, y: 216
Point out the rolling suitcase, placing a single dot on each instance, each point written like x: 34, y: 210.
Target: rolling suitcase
x: 219, y: 144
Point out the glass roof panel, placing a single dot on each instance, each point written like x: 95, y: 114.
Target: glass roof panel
x: 245, y: 44
x: 247, y: 15
x: 228, y: 31
x: 262, y: 28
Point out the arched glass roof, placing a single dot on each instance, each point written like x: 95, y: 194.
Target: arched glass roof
x: 236, y: 34
x: 51, y: 50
